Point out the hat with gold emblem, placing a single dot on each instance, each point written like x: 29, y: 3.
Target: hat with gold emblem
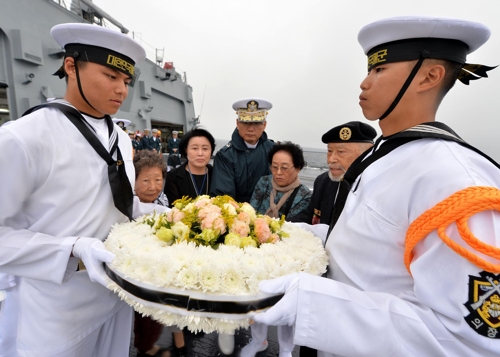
x: 408, y: 38
x: 352, y: 132
x: 92, y: 43
x: 418, y: 38
x: 252, y: 109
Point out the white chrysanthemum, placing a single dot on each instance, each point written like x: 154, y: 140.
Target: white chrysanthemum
x: 187, y: 278
x: 233, y: 282
x: 210, y: 279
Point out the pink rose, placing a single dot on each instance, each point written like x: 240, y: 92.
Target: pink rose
x: 175, y: 215
x: 262, y: 231
x: 178, y: 215
x: 202, y: 202
x: 245, y: 217
x: 241, y: 228
x: 220, y: 225
x: 208, y: 221
x: 209, y: 209
x: 274, y: 238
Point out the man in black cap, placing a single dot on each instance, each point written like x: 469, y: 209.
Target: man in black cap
x: 344, y: 143
x: 414, y: 256
x: 60, y: 198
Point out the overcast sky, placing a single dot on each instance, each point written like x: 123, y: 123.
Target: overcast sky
x: 304, y: 57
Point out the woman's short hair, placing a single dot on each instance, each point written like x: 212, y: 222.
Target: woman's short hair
x: 294, y: 150
x: 149, y: 158
x: 194, y: 133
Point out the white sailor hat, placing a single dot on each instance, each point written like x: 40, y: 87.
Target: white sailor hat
x: 252, y: 109
x: 175, y: 132
x: 100, y: 45
x: 409, y: 38
x: 125, y: 122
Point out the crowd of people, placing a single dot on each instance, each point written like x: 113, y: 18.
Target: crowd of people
x: 397, y: 284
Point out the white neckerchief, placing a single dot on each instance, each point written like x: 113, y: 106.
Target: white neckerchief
x: 98, y: 126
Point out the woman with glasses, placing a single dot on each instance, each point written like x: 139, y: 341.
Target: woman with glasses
x: 281, y: 193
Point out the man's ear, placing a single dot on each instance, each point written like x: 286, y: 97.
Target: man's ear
x: 431, y: 77
x: 69, y: 66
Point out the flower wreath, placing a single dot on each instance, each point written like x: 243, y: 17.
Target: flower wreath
x: 199, y: 265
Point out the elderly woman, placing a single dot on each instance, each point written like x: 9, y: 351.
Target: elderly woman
x: 281, y: 193
x: 192, y: 178
x: 150, y: 170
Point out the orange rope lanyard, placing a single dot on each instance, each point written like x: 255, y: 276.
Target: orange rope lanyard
x: 458, y: 208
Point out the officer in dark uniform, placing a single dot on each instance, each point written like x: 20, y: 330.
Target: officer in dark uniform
x: 154, y: 141
x: 243, y: 161
x: 145, y: 141
x: 345, y: 143
x: 174, y: 159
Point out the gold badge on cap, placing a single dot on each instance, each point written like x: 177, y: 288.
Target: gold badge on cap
x: 252, y: 113
x: 345, y: 133
x: 252, y: 106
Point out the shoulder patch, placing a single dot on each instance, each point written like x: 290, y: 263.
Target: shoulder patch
x: 484, y: 304
x: 226, y: 147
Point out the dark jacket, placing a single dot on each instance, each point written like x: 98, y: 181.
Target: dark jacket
x: 173, y: 145
x: 136, y: 145
x: 145, y: 143
x: 261, y: 198
x: 174, y: 159
x: 155, y: 144
x: 237, y: 168
x: 178, y: 183
x: 321, y: 204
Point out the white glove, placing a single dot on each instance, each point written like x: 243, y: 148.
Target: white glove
x: 319, y: 230
x: 285, y: 340
x: 285, y: 311
x: 93, y: 253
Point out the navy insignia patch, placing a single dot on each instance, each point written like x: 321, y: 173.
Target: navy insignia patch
x: 345, y: 133
x: 484, y: 304
x: 252, y: 106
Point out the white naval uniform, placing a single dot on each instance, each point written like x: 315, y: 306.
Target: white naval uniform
x: 372, y: 306
x: 54, y: 188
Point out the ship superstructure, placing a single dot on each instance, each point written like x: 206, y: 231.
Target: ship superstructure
x: 158, y: 98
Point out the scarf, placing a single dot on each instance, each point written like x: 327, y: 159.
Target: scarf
x: 273, y: 207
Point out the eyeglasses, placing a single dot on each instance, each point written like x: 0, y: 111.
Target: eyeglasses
x: 284, y: 169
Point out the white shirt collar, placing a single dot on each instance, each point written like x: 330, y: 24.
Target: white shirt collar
x: 251, y: 146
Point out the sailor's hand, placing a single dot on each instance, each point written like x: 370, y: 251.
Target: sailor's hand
x: 93, y: 253
x: 285, y: 311
x: 320, y: 230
